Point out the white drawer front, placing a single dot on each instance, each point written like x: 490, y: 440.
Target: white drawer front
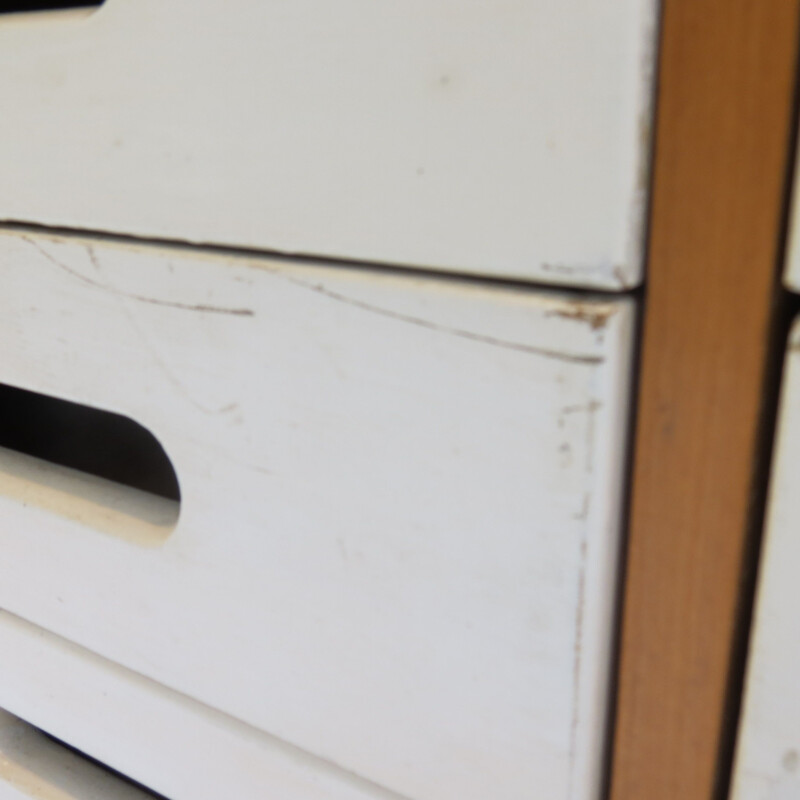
x: 398, y: 535
x: 176, y: 746
x: 505, y: 138
x: 768, y: 750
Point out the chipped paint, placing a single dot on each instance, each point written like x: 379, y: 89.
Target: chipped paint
x: 595, y: 315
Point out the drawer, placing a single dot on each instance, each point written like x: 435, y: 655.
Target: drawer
x: 768, y: 750
x: 175, y: 746
x: 34, y: 767
x: 505, y: 139
x: 397, y: 540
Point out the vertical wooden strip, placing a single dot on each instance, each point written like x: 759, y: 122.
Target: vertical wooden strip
x: 722, y: 139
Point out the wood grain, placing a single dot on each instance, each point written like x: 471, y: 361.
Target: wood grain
x: 727, y: 71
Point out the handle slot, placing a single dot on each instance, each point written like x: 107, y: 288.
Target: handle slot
x: 28, y: 6
x: 92, y: 466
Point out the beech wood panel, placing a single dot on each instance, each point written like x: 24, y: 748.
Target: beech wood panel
x: 727, y: 72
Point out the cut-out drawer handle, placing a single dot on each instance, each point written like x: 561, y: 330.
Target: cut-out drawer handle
x: 95, y: 467
x: 25, y: 6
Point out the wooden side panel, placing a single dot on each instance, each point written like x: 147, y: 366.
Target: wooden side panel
x: 727, y: 74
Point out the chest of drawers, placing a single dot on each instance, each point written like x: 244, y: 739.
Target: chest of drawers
x: 305, y: 246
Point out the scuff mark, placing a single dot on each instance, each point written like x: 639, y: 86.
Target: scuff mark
x: 208, y: 309
x: 92, y: 257
x: 617, y: 271
x: 567, y: 269
x: 177, y: 384
x: 493, y: 341
x: 619, y: 274
x: 583, y: 514
x: 589, y: 409
x: 577, y: 655
x: 596, y: 317
x: 592, y: 405
x: 257, y: 468
x: 248, y: 465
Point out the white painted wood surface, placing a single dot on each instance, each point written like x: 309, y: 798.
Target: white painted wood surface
x: 138, y: 516
x: 768, y: 752
x: 507, y: 138
x: 397, y: 545
x: 182, y: 749
x: 32, y: 767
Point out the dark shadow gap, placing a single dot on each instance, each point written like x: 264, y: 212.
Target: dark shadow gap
x: 86, y: 439
x: 23, y: 6
x: 100, y: 765
x: 606, y: 777
x: 784, y: 308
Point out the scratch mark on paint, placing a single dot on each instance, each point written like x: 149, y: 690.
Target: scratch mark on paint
x: 596, y: 317
x: 584, y: 512
x: 493, y: 341
x: 92, y: 257
x: 170, y: 376
x: 568, y: 269
x: 591, y: 406
x: 208, y: 309
x: 577, y: 655
x: 590, y: 409
x: 617, y: 271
